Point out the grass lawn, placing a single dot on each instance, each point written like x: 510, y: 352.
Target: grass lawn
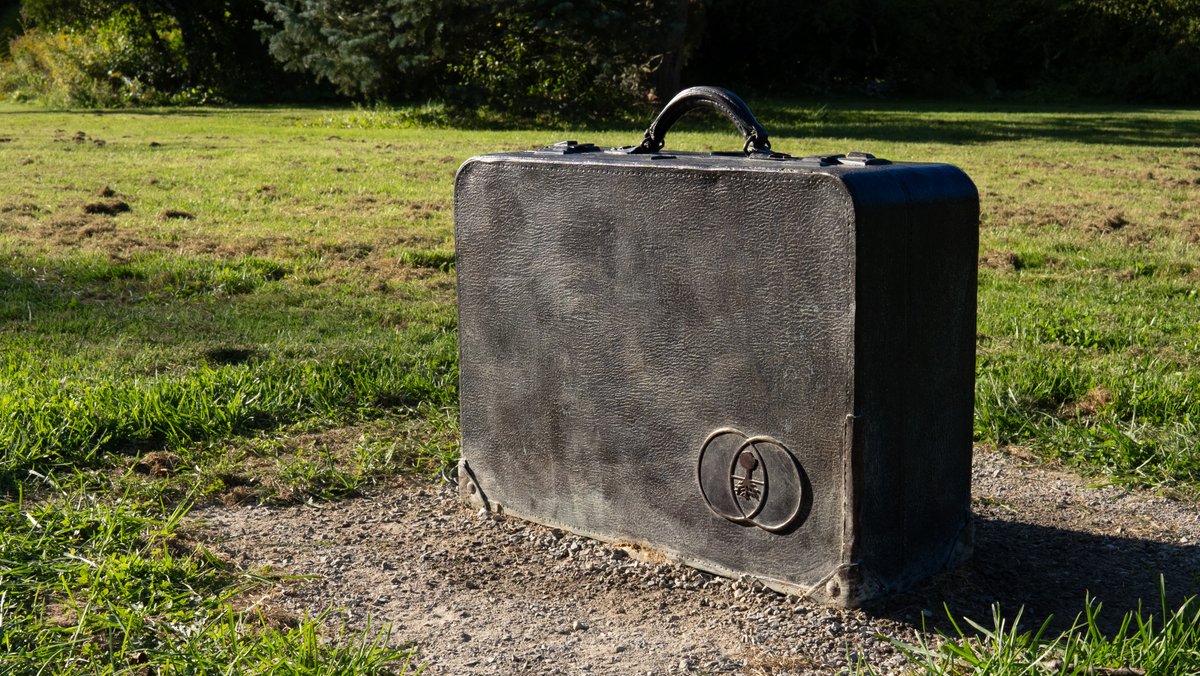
x: 259, y: 305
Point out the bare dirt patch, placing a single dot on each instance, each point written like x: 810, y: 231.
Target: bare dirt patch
x: 421, y: 210
x: 239, y: 495
x: 338, y: 440
x: 59, y: 614
x: 1005, y: 261
x: 79, y: 137
x: 266, y: 193
x: 480, y: 594
x: 345, y: 251
x: 71, y: 222
x: 20, y: 208
x: 1095, y: 400
x: 1111, y: 221
x: 110, y: 207
x: 1001, y: 216
x: 226, y: 355
x: 96, y: 228
x: 197, y: 243
x: 157, y: 464
x: 90, y: 231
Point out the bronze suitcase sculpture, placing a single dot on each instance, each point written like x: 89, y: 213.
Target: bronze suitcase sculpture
x: 754, y: 363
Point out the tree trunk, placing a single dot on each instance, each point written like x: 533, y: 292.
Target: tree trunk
x: 667, y: 77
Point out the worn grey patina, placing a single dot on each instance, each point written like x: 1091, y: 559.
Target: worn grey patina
x: 753, y: 363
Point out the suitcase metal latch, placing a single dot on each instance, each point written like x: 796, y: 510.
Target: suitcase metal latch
x: 853, y: 159
x: 570, y: 148
x: 862, y: 160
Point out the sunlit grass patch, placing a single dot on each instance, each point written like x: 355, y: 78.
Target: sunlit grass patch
x: 324, y: 463
x: 1161, y: 640
x: 91, y: 585
x: 74, y: 421
x: 104, y: 360
x: 258, y: 305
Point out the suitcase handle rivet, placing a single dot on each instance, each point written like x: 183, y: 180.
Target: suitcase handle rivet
x: 833, y: 589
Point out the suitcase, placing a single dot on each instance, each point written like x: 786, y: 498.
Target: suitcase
x: 753, y: 363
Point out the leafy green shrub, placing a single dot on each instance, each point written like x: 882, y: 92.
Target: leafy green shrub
x: 543, y: 60
x: 565, y: 60
x: 186, y: 49
x: 384, y: 49
x: 101, y: 66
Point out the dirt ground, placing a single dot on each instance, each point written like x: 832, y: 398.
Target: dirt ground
x: 481, y: 594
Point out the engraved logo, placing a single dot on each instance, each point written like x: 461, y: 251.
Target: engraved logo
x: 751, y: 480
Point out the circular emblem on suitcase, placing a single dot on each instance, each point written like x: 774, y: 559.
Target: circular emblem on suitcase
x: 751, y: 480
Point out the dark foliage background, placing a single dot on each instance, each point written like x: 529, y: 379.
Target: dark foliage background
x: 1124, y: 50
x: 555, y: 59
x: 10, y: 23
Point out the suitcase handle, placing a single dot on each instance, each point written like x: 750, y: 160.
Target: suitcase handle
x: 723, y: 100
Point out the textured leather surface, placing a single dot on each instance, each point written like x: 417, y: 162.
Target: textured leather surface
x: 614, y: 311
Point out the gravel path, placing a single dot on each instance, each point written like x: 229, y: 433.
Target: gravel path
x: 479, y: 594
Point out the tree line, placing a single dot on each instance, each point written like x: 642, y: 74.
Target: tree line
x: 570, y: 58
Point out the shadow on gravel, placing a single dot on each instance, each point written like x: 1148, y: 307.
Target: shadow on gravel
x: 1049, y: 572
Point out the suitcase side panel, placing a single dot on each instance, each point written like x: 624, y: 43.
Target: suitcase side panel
x: 612, y: 318
x: 915, y: 360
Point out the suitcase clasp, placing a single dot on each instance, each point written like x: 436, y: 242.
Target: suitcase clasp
x: 570, y: 148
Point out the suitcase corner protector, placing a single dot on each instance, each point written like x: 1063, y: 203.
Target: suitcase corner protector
x: 849, y: 585
x: 469, y: 488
